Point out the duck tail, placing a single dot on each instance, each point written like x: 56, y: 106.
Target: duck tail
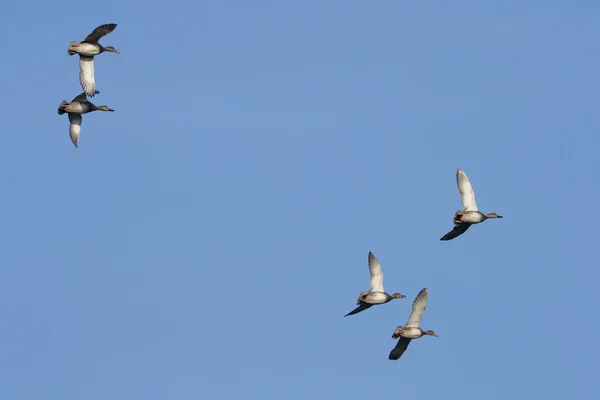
x: 396, y: 333
x: 360, y: 296
x: 457, y: 217
x: 61, y: 107
x: 71, y: 52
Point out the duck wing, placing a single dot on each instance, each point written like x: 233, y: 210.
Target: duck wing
x: 82, y: 97
x: 376, y: 274
x: 467, y: 195
x: 75, y: 128
x: 86, y: 75
x: 418, y: 307
x: 400, y: 348
x: 100, y: 31
x: 457, y: 231
x: 361, y: 307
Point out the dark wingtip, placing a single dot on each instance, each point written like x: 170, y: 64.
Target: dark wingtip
x: 352, y: 312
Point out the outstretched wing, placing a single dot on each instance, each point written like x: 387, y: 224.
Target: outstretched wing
x: 418, y: 307
x: 376, y: 274
x: 358, y: 309
x: 400, y: 348
x: 86, y: 75
x: 75, y: 128
x: 457, y: 231
x: 467, y: 195
x: 82, y: 97
x: 99, y: 32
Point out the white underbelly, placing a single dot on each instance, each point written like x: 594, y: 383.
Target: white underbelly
x: 377, y: 298
x: 412, y: 333
x: 471, y: 217
x: 86, y: 49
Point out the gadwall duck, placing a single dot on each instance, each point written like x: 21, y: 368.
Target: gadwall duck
x: 412, y: 329
x: 470, y: 214
x: 79, y: 105
x: 87, y: 49
x: 376, y: 294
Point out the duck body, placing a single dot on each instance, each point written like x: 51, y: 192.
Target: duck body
x: 76, y: 107
x: 376, y: 293
x: 85, y: 49
x: 79, y: 105
x: 412, y: 329
x: 470, y: 214
x: 367, y: 300
x: 408, y: 332
x: 375, y: 298
x: 472, y: 217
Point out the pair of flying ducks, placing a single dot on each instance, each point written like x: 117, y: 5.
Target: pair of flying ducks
x: 377, y: 295
x: 86, y: 49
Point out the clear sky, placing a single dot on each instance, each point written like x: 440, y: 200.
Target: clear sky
x: 206, y: 239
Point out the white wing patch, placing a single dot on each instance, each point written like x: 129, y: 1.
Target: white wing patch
x: 418, y: 307
x: 467, y: 195
x: 86, y: 75
x: 376, y: 274
x: 75, y: 128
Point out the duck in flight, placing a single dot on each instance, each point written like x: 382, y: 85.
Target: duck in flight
x: 470, y: 214
x: 79, y: 105
x: 376, y: 294
x: 87, y: 49
x: 412, y: 329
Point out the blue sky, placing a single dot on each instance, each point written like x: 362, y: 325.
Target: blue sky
x: 206, y: 239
